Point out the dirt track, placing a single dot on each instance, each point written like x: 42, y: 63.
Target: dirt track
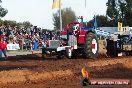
x: 63, y: 73
x: 32, y: 72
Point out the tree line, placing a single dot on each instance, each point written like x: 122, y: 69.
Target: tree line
x: 25, y: 24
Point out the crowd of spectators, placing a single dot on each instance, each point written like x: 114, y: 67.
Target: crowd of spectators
x: 25, y: 37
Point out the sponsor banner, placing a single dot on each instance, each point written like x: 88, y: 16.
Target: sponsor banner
x: 13, y: 46
x: 109, y: 82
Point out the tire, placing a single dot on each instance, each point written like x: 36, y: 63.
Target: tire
x: 60, y: 55
x: 74, y: 55
x: 91, y: 50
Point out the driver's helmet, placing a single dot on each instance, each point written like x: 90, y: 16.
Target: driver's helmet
x: 76, y: 27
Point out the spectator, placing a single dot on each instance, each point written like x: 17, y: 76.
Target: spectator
x: 16, y: 34
x: 2, y: 47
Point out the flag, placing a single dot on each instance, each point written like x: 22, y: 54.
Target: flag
x: 95, y: 22
x: 56, y: 4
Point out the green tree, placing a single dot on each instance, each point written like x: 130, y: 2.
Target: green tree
x: 9, y: 22
x: 68, y: 15
x: 102, y: 21
x: 1, y: 22
x: 3, y: 11
x: 127, y: 13
x: 12, y: 23
x: 26, y: 24
x: 112, y: 11
x: 120, y: 10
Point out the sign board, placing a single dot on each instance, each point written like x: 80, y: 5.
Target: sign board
x: 120, y: 27
x: 13, y: 46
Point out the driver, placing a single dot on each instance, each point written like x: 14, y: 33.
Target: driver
x: 76, y: 29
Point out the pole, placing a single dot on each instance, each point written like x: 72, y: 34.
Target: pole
x: 60, y: 15
x: 85, y: 10
x: 85, y: 3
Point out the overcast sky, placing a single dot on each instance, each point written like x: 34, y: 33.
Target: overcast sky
x: 39, y: 12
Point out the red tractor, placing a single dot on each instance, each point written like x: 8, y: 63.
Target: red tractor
x: 76, y: 39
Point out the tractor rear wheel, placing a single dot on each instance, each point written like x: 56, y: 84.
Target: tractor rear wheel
x: 91, y: 45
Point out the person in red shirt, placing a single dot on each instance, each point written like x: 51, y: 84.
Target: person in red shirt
x: 2, y: 47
